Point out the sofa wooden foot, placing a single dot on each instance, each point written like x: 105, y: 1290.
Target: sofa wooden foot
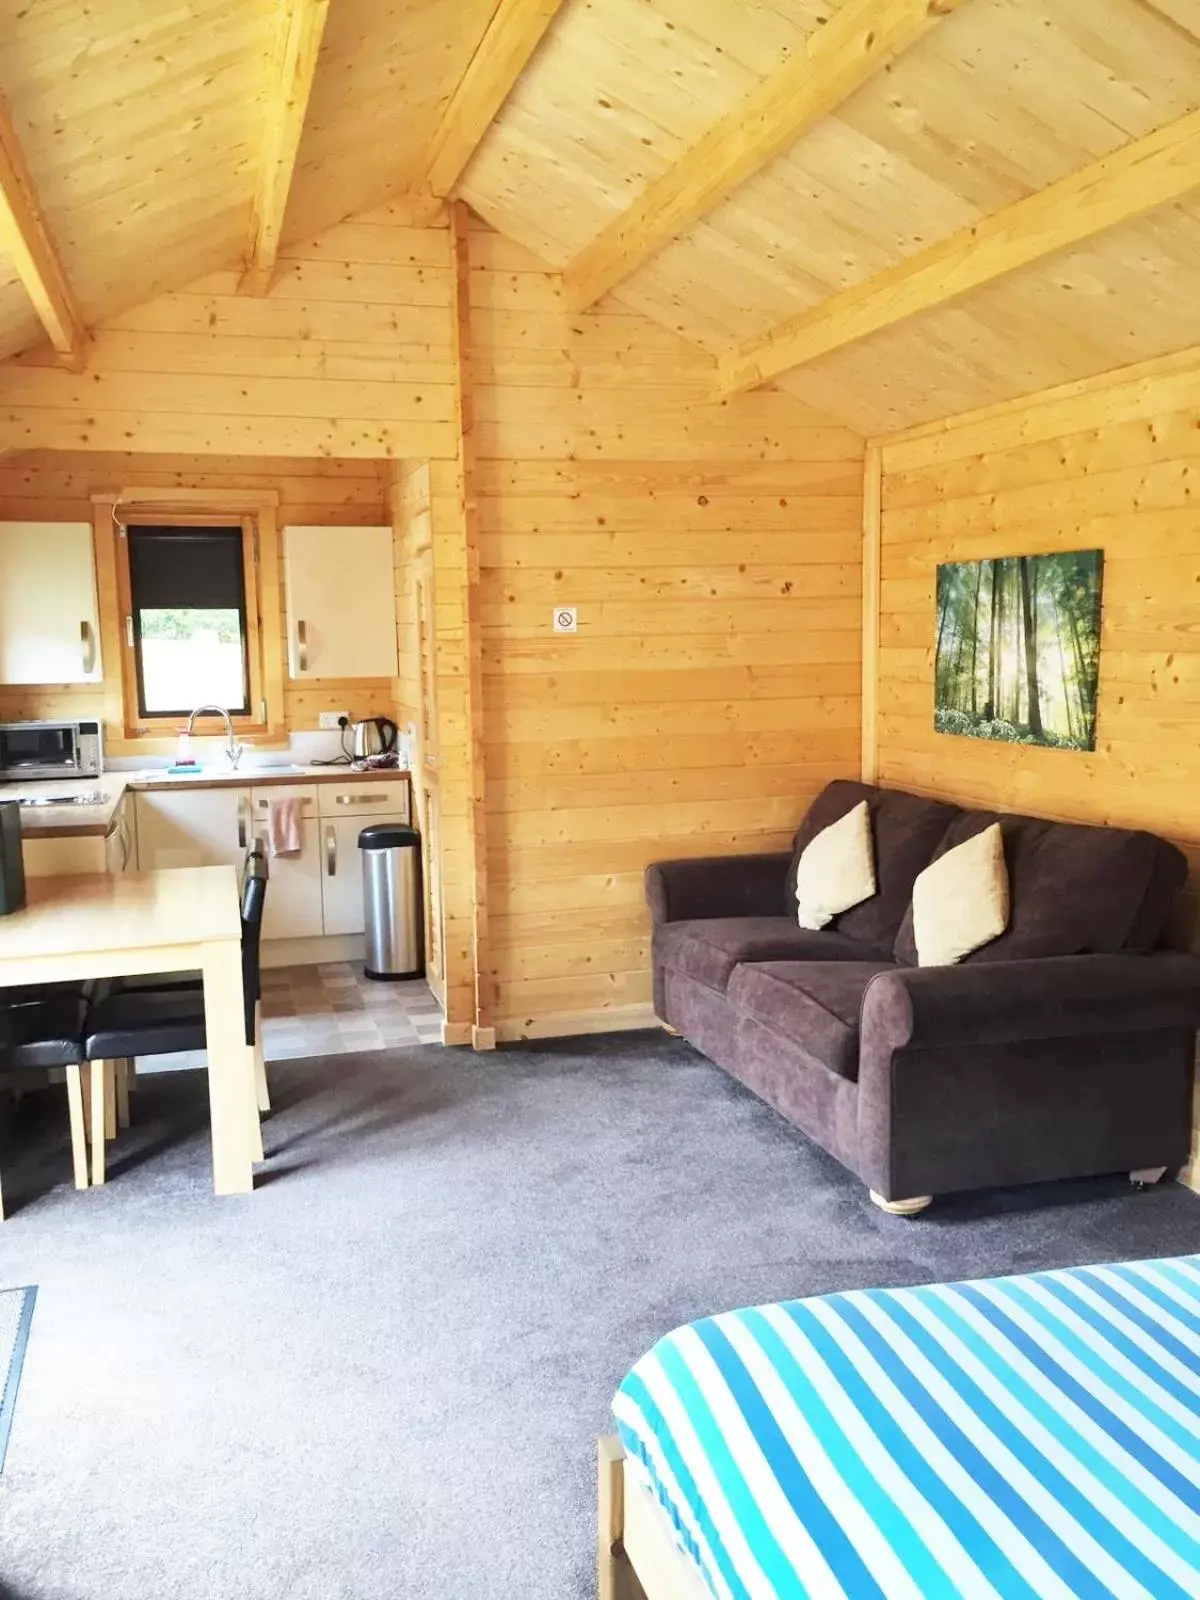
x: 674, y: 1032
x: 1143, y: 1177
x: 902, y: 1208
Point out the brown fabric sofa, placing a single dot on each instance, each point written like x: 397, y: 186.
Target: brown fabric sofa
x: 1062, y: 1049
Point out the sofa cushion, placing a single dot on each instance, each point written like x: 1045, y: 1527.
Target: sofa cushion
x: 709, y: 949
x: 816, y: 1003
x: 905, y: 831
x: 836, y: 870
x: 960, y: 901
x: 1074, y: 890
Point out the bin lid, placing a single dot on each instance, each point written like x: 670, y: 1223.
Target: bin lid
x: 387, y: 836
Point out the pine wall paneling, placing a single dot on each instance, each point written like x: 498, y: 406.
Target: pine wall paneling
x: 713, y: 552
x: 713, y: 685
x: 416, y: 698
x: 1109, y: 465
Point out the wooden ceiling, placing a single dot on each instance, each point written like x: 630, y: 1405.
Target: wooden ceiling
x: 785, y: 153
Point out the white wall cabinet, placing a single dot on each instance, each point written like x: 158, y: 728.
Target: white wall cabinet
x: 49, y: 617
x: 341, y: 602
x: 192, y: 827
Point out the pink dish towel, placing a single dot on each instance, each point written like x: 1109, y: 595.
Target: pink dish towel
x: 283, y: 828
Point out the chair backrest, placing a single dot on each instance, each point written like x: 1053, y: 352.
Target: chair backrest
x: 254, y: 899
x: 7, y: 1040
x: 255, y: 851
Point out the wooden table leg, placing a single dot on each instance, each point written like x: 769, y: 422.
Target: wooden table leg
x: 101, y: 1079
x: 260, y: 1063
x: 124, y: 1073
x: 79, y: 1159
x: 230, y: 1068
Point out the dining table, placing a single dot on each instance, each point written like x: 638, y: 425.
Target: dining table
x: 127, y: 924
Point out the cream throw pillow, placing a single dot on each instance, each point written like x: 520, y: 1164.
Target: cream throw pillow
x: 960, y: 902
x: 836, y: 870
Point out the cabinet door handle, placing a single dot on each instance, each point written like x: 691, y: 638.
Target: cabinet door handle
x: 87, y: 643
x: 331, y: 852
x: 301, y: 647
x: 358, y: 799
x: 241, y: 816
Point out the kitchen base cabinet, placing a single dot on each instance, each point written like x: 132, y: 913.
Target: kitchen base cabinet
x: 341, y: 875
x: 316, y: 893
x: 48, y: 856
x: 192, y: 828
x: 293, y: 904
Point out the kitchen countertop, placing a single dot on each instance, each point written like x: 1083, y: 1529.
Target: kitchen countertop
x: 86, y: 821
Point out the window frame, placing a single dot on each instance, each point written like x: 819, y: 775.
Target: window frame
x: 247, y: 609
x: 255, y: 513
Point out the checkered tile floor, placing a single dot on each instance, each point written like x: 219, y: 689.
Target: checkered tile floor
x: 333, y: 1010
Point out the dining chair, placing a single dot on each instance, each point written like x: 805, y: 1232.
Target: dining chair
x: 124, y: 1071
x: 169, y: 1019
x: 41, y: 1027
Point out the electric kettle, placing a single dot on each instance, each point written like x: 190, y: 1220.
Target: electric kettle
x: 374, y: 736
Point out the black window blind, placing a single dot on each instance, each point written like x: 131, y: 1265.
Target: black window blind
x: 187, y: 569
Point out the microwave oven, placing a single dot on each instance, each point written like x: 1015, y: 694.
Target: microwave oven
x: 50, y: 750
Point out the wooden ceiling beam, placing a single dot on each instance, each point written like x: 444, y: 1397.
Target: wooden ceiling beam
x: 1147, y: 173
x: 293, y: 69
x: 25, y: 239
x: 861, y: 39
x: 506, y: 49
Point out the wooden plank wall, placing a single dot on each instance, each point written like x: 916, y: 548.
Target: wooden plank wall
x: 713, y: 552
x: 43, y: 485
x: 1109, y: 465
x: 349, y: 356
x: 713, y: 685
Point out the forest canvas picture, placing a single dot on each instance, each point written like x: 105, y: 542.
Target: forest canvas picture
x: 1018, y: 649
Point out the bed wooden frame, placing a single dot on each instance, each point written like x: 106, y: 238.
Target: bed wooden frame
x: 636, y: 1553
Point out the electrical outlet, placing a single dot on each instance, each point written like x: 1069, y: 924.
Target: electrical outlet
x: 332, y: 720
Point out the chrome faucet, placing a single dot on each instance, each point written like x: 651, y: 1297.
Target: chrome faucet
x: 233, y: 750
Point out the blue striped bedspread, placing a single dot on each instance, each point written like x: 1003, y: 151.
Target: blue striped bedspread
x: 1029, y: 1438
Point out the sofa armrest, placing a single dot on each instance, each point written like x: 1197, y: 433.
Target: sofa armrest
x: 1007, y: 1002
x: 718, y: 886
x: 1019, y: 1071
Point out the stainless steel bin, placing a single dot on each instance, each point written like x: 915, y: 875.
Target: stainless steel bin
x: 391, y: 863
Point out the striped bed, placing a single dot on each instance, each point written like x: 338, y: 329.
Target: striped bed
x: 1033, y: 1437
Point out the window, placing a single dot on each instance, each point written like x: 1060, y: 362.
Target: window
x: 190, y: 634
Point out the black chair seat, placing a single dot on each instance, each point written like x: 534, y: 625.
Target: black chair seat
x: 24, y: 994
x: 145, y: 1022
x: 168, y: 1017
x: 43, y: 1033
x: 192, y: 981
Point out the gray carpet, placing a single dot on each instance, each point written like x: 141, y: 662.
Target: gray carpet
x: 381, y: 1376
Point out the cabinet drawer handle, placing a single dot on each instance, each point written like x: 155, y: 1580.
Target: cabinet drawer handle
x: 301, y: 647
x: 358, y: 799
x: 87, y: 642
x: 304, y: 801
x: 241, y: 816
x: 331, y: 852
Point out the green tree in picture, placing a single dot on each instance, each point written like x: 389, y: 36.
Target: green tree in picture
x: 1017, y: 653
